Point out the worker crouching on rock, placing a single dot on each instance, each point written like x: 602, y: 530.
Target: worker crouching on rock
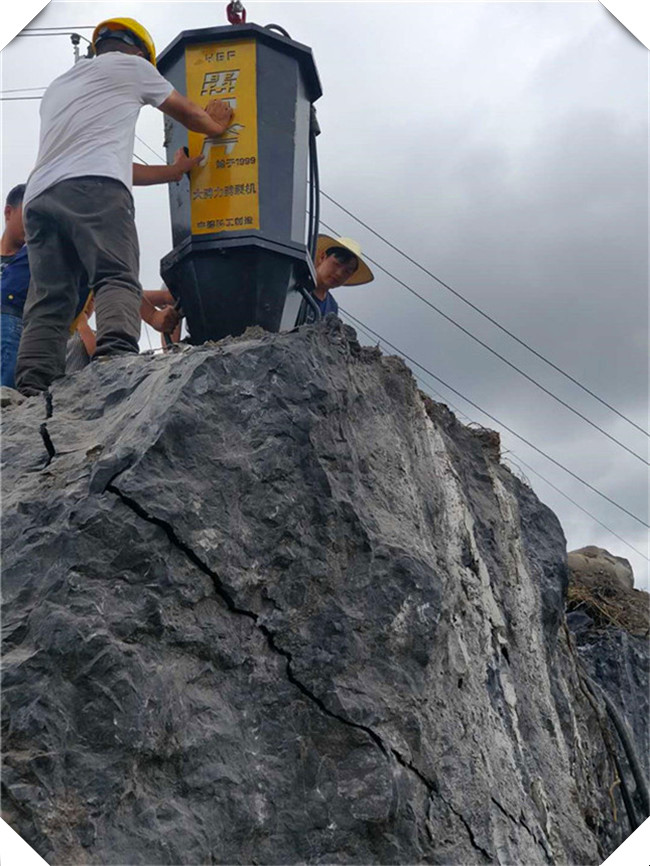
x: 78, y: 208
x: 338, y: 263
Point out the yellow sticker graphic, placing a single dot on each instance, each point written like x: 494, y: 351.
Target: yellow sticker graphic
x: 224, y: 188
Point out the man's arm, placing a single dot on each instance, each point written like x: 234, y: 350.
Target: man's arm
x: 87, y: 335
x: 159, y: 297
x: 211, y: 122
x: 146, y: 175
x: 164, y: 320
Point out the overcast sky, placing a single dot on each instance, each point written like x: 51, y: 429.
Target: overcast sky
x: 505, y: 148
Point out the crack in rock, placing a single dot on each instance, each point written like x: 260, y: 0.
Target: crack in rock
x: 470, y: 834
x: 227, y: 598
x: 389, y: 751
x: 47, y: 441
x: 522, y: 823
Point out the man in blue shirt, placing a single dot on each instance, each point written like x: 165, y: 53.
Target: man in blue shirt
x: 14, y: 282
x: 338, y: 263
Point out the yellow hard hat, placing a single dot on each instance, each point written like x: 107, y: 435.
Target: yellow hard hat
x: 122, y: 28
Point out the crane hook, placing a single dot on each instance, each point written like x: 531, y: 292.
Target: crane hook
x: 235, y: 12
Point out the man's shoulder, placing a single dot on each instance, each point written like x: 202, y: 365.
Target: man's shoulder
x: 116, y: 62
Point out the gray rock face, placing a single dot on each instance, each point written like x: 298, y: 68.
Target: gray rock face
x: 620, y: 663
x: 264, y: 605
x: 610, y: 621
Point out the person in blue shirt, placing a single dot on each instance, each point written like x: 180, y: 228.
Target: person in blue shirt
x: 14, y: 282
x: 338, y: 263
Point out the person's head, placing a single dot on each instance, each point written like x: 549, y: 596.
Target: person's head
x: 334, y: 266
x: 14, y: 230
x: 339, y: 263
x: 124, y: 35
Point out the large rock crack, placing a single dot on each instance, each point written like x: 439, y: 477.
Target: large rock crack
x: 389, y: 751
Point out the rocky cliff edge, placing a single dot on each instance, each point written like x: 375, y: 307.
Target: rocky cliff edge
x: 263, y: 603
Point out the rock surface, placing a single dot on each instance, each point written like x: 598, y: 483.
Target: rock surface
x: 611, y: 624
x: 263, y: 604
x: 598, y: 566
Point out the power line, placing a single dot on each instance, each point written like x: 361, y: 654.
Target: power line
x: 20, y: 98
x: 22, y: 89
x: 502, y: 358
x: 421, y: 381
x: 588, y: 513
x: 484, y: 314
x: 66, y: 33
x: 518, y: 459
x: 142, y: 141
x: 496, y: 420
x: 67, y: 29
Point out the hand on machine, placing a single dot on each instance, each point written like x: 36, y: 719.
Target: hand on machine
x: 165, y: 320
x: 220, y: 112
x: 160, y: 310
x: 184, y: 163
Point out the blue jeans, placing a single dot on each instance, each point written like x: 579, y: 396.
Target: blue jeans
x: 11, y: 327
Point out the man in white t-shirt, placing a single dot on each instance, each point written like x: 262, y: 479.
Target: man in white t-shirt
x: 78, y: 208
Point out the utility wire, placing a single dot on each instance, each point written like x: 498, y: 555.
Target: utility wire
x: 482, y: 313
x: 67, y: 29
x: 566, y: 496
x: 515, y: 457
x: 66, y: 33
x: 142, y: 141
x: 424, y: 384
x: 496, y: 420
x: 502, y: 358
x: 17, y: 98
x: 22, y: 89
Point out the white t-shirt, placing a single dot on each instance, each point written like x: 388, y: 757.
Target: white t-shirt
x: 88, y: 118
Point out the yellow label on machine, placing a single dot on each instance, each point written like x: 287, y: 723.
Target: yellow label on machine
x: 224, y: 188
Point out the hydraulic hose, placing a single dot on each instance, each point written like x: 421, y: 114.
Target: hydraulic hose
x: 314, y: 185
x: 628, y: 745
x: 278, y: 28
x: 310, y: 209
x: 309, y: 300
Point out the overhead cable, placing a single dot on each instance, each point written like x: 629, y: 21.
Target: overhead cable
x: 63, y: 33
x: 484, y: 314
x: 502, y: 358
x: 142, y: 141
x: 22, y: 89
x: 67, y: 29
x: 497, y: 421
x: 517, y: 459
